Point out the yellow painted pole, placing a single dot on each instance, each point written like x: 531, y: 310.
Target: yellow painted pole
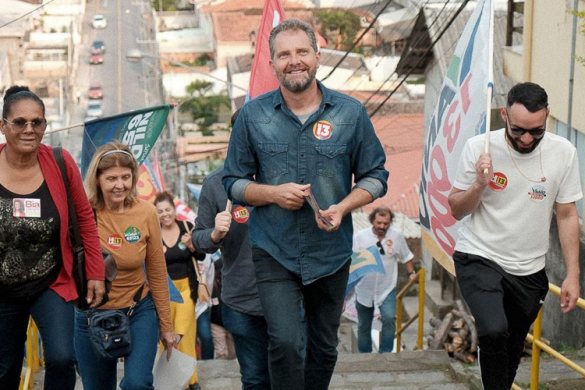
x: 421, y: 308
x: 536, y: 352
x: 398, y: 324
x: 35, y: 342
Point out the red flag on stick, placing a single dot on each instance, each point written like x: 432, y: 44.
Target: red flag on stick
x: 262, y: 79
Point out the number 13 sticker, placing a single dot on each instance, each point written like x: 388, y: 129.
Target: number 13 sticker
x: 322, y: 130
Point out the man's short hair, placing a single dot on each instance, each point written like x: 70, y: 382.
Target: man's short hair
x: 530, y: 95
x: 294, y: 25
x: 381, y: 211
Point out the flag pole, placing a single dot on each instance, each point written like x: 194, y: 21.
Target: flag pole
x: 64, y: 128
x: 490, y: 89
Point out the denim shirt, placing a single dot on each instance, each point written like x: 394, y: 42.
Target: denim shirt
x: 269, y: 145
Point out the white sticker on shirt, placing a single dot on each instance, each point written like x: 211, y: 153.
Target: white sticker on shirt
x: 537, y: 193
x: 26, y: 207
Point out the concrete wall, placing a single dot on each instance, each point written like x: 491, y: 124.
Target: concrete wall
x: 562, y: 329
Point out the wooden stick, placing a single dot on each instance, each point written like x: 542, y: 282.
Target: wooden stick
x: 442, y: 332
x: 228, y: 206
x: 470, y: 324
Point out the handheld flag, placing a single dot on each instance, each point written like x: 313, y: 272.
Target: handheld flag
x: 362, y: 263
x: 460, y: 114
x: 195, y: 190
x: 262, y: 79
x: 138, y: 129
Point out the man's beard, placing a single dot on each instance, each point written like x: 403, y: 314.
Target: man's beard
x: 298, y: 86
x: 517, y: 148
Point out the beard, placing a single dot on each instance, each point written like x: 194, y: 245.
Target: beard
x: 297, y: 86
x: 517, y: 148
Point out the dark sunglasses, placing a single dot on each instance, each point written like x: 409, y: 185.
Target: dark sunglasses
x: 519, y: 131
x: 381, y: 247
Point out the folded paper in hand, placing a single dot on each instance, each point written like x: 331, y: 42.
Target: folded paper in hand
x: 175, y: 373
x: 310, y: 198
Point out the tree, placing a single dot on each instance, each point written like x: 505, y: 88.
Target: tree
x: 204, y: 108
x: 581, y: 15
x: 340, y: 27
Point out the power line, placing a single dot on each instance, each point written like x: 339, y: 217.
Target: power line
x: 422, y: 57
x: 28, y: 13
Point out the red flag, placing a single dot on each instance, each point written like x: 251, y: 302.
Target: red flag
x: 262, y: 79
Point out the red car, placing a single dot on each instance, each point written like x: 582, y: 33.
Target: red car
x: 96, y: 91
x: 96, y: 57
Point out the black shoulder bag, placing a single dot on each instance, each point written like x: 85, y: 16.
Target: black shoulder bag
x: 77, y: 245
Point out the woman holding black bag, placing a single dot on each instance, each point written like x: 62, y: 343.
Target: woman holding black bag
x: 129, y: 230
x: 36, y: 258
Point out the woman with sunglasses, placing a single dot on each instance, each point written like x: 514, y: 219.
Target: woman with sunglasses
x: 36, y: 258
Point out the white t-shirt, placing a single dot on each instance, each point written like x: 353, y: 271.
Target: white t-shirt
x: 512, y: 222
x: 373, y: 288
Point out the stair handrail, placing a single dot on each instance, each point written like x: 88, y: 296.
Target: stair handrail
x: 420, y: 279
x: 538, y: 345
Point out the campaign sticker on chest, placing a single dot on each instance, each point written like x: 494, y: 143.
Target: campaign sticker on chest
x: 115, y: 242
x: 240, y: 214
x: 182, y: 246
x: 499, y: 182
x: 322, y: 130
x: 132, y: 234
x: 26, y: 207
x: 537, y: 193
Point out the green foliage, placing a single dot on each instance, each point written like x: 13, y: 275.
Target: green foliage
x: 339, y: 23
x: 580, y: 15
x: 167, y: 5
x: 202, y: 107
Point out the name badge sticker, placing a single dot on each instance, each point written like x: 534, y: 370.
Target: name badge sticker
x: 240, y: 214
x: 322, y: 130
x: 26, y: 207
x: 132, y: 234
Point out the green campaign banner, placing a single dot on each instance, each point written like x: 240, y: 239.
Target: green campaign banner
x: 138, y: 129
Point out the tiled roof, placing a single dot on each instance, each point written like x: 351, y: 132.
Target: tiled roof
x: 402, y: 138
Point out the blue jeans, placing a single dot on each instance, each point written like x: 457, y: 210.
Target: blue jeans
x: 250, y: 335
x: 282, y: 293
x: 54, y: 318
x: 365, y: 316
x: 100, y: 374
x: 204, y: 335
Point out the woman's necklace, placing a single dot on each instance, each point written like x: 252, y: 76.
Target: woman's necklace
x: 542, y: 179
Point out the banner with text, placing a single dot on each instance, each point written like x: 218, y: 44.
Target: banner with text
x: 138, y: 129
x: 459, y: 115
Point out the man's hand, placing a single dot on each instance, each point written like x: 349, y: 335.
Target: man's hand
x: 223, y: 221
x: 169, y: 341
x: 484, y: 162
x: 290, y: 195
x: 95, y: 292
x: 334, y: 215
x: 569, y: 294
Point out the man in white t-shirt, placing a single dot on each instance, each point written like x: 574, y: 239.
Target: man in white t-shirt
x: 500, y: 253
x: 378, y: 290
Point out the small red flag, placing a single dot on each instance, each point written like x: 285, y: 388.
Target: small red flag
x: 262, y: 79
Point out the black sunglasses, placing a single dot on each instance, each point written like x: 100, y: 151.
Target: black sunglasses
x: 519, y: 131
x: 381, y: 247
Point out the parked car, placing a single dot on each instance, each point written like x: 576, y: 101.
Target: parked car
x: 95, y: 108
x: 99, y: 45
x: 96, y: 91
x: 96, y: 57
x: 99, y: 21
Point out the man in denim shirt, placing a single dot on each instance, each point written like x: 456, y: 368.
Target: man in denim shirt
x: 302, y: 137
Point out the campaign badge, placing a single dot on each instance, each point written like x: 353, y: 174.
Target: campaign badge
x: 182, y: 246
x: 114, y: 242
x: 132, y: 234
x: 322, y: 130
x: 537, y: 193
x: 499, y: 182
x: 240, y: 214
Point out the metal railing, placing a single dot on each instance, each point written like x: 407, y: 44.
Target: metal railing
x: 420, y: 314
x: 32, y: 357
x: 538, y: 345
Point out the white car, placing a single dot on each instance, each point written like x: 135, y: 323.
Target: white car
x: 95, y: 109
x: 99, y: 21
